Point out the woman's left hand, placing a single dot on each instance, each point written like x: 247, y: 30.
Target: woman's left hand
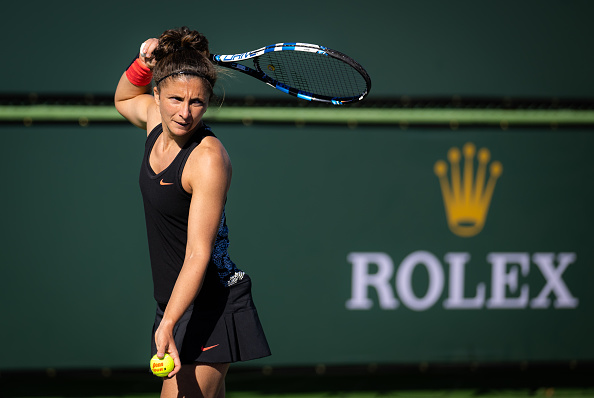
x: 165, y: 344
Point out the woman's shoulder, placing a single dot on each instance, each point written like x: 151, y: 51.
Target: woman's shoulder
x: 210, y: 150
x: 208, y: 165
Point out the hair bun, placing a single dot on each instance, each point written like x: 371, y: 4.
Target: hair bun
x: 181, y: 53
x: 181, y: 40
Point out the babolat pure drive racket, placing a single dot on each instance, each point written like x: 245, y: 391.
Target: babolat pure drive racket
x: 307, y: 71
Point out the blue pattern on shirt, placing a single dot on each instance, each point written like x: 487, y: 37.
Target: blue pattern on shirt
x: 228, y: 272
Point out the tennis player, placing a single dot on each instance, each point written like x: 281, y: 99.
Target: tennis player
x: 205, y: 317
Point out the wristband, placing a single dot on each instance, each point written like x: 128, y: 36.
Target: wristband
x: 139, y: 74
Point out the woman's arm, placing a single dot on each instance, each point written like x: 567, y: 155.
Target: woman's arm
x: 134, y: 101
x: 208, y: 175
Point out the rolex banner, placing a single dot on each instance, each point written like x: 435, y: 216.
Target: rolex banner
x: 367, y: 245
x: 400, y: 246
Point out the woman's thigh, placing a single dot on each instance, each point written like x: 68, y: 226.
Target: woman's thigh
x: 197, y: 381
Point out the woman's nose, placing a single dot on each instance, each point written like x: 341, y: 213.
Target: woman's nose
x: 185, y: 111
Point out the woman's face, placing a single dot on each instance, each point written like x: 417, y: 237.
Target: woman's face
x: 182, y: 103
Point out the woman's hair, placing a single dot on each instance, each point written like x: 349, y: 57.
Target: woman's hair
x: 183, y: 52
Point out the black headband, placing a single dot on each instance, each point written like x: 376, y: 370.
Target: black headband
x: 185, y: 72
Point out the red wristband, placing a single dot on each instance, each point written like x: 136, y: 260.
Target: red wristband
x: 138, y: 74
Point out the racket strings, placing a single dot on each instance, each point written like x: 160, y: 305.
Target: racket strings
x: 314, y: 73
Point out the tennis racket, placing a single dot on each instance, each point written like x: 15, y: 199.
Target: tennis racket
x: 306, y: 71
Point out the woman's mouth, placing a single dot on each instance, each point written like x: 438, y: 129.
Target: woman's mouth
x: 183, y: 124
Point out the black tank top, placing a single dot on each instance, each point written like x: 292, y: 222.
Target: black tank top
x: 166, y: 208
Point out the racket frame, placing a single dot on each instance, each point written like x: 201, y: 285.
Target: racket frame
x: 231, y: 61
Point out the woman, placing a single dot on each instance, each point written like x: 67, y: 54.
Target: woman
x: 205, y: 318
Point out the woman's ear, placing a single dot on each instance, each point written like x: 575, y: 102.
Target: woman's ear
x: 156, y: 96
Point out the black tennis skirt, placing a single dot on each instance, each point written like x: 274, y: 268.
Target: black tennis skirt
x: 221, y: 326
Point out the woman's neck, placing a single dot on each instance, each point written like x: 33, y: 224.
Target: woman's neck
x: 170, y: 140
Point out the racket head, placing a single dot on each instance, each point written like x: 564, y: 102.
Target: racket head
x: 307, y: 71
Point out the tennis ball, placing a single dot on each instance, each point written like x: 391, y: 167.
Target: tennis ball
x: 162, y: 367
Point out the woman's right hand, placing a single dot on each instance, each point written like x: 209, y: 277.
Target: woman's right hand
x: 132, y: 99
x: 146, y: 52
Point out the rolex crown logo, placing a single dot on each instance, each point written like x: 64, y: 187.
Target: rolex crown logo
x: 467, y: 195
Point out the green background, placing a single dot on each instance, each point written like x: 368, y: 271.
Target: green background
x: 424, y: 48
x: 76, y: 288
x: 76, y: 274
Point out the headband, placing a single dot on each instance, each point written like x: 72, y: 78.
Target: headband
x: 185, y: 72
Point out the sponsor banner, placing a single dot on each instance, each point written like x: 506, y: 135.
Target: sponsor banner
x: 399, y: 246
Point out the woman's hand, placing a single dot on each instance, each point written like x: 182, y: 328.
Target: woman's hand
x: 165, y: 344
x: 146, y: 52
x: 132, y: 98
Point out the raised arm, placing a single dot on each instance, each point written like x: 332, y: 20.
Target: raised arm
x: 133, y: 98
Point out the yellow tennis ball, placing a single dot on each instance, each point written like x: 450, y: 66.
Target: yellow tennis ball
x: 162, y: 367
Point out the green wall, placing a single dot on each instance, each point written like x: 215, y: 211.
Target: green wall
x: 530, y: 48
x: 343, y: 230
x: 304, y: 204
